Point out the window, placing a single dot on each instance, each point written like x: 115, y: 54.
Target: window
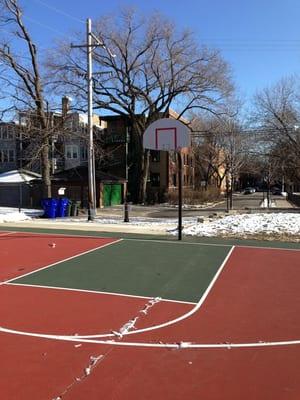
x: 72, y: 151
x: 155, y: 155
x: 174, y: 179
x: 10, y: 132
x: 155, y: 179
x: 11, y: 155
x: 83, y: 153
x: 7, y: 155
x: 6, y: 132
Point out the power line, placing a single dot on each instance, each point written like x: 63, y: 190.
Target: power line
x: 43, y: 25
x: 57, y: 10
x: 253, y: 44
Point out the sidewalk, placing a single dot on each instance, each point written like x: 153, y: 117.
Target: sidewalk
x: 83, y: 225
x: 283, y: 203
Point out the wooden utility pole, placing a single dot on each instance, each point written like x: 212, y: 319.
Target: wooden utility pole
x: 91, y: 43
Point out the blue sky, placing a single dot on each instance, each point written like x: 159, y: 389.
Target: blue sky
x: 259, y: 38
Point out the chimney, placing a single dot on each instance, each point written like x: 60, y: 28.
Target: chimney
x: 65, y: 105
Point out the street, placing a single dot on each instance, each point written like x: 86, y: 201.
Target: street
x: 240, y: 202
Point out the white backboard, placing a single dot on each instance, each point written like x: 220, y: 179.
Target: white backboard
x: 166, y: 134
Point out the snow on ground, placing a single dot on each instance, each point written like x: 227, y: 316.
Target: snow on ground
x: 238, y: 225
x: 248, y: 224
x: 9, y: 214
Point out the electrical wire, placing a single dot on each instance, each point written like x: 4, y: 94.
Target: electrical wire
x: 57, y: 10
x: 43, y: 25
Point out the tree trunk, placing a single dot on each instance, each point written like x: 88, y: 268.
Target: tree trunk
x: 144, y: 176
x: 46, y: 168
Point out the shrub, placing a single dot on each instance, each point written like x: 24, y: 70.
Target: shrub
x: 195, y: 196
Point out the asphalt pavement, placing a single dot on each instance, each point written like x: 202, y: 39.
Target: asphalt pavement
x: 241, y: 202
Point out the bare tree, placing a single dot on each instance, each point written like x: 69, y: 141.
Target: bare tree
x: 221, y: 152
x: 235, y: 146
x: 277, y: 114
x: 151, y: 68
x: 23, y: 80
x: 207, y: 150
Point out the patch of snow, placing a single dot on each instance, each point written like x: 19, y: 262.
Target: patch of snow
x: 238, y: 224
x: 14, y: 217
x: 266, y: 204
x: 136, y: 221
x: 243, y: 224
x: 11, y: 214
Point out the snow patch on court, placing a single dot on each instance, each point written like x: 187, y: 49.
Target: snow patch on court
x: 243, y: 224
x: 131, y: 324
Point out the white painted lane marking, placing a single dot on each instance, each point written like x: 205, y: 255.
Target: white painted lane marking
x: 7, y: 233
x: 97, y: 292
x: 179, y: 345
x: 158, y: 240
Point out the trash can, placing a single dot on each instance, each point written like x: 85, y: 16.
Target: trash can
x: 75, y: 208
x: 49, y: 206
x: 68, y: 212
x: 62, y: 206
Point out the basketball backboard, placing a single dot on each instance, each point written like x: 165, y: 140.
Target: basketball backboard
x: 166, y: 134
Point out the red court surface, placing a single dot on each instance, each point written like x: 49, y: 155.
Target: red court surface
x: 71, y: 311
x: 255, y: 299
x: 21, y: 253
x: 32, y: 366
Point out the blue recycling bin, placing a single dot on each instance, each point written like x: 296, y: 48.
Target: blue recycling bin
x: 62, y: 207
x: 49, y: 206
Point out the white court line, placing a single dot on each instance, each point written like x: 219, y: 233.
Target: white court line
x: 98, y: 292
x: 180, y: 345
x: 60, y: 261
x: 7, y: 233
x: 164, y: 324
x: 124, y: 239
x: 211, y: 244
x: 182, y: 243
x: 158, y: 241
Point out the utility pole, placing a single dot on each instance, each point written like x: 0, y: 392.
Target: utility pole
x: 91, y: 154
x: 126, y: 208
x: 91, y: 43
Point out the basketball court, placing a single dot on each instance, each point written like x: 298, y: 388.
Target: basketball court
x: 88, y: 317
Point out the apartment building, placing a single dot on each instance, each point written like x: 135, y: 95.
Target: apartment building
x: 8, y: 146
x: 69, y: 151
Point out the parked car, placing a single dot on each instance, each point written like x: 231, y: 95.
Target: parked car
x: 249, y: 190
x: 276, y: 191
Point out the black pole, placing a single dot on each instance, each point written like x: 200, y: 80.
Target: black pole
x: 126, y: 208
x: 20, y: 165
x: 179, y: 195
x: 20, y: 197
x: 227, y: 195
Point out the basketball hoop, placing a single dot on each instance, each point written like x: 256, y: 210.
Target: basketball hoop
x: 166, y: 134
x: 169, y: 134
